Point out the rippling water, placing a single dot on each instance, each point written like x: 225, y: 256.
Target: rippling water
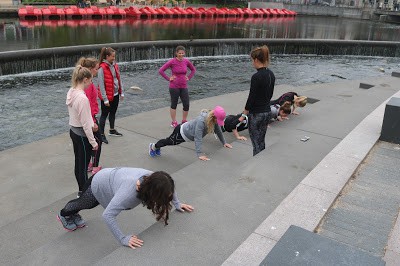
x: 20, y: 35
x: 32, y: 106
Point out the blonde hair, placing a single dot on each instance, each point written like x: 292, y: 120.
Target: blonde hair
x: 88, y: 62
x: 79, y: 74
x: 301, y: 101
x: 211, y: 120
x: 261, y: 54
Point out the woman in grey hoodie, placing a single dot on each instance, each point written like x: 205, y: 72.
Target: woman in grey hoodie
x: 194, y: 130
x: 118, y: 189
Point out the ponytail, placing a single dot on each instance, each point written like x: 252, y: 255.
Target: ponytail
x: 105, y: 51
x: 79, y: 74
x: 261, y: 54
x: 88, y: 62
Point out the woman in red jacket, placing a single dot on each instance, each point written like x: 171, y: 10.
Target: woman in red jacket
x: 91, y: 93
x: 110, y: 90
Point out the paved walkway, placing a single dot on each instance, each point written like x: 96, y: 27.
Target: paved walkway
x: 233, y: 193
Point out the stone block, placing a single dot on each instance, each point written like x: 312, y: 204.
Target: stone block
x: 301, y: 247
x: 396, y: 74
x: 391, y: 122
x: 365, y: 86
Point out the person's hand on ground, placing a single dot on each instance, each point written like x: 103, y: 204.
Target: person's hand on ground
x: 135, y: 242
x: 186, y: 207
x: 227, y: 145
x: 204, y: 158
x: 242, y: 138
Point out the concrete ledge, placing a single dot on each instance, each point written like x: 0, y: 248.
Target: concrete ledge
x: 307, y: 204
x: 396, y: 74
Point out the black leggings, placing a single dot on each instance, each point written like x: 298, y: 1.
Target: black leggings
x: 258, y: 124
x: 96, y: 153
x: 109, y: 111
x: 183, y: 94
x: 174, y: 139
x: 84, y: 202
x: 82, y: 151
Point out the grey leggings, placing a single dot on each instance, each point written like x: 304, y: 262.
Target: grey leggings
x: 175, y: 94
x: 257, y: 129
x: 84, y: 202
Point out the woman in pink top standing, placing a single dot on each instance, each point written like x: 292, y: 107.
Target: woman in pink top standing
x: 178, y: 82
x: 81, y: 123
x: 92, y: 94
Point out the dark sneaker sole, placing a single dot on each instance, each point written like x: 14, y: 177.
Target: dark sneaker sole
x: 113, y: 135
x: 69, y: 230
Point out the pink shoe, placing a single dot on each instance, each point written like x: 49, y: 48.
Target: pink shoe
x: 174, y: 124
x: 90, y: 167
x: 184, y: 121
x: 96, y: 169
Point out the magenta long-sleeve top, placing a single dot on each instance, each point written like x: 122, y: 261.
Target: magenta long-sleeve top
x: 179, y: 70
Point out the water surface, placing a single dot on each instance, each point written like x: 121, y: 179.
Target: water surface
x: 32, y: 106
x: 21, y: 35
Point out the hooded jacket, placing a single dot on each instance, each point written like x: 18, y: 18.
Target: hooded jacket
x: 79, y: 113
x: 196, y: 129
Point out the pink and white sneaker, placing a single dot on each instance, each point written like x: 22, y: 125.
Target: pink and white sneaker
x: 174, y: 124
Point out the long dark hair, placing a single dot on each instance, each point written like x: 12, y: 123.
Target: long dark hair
x: 156, y: 193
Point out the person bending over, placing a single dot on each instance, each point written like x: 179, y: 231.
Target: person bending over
x: 118, y: 189
x: 194, y: 130
x: 234, y: 125
x: 294, y: 99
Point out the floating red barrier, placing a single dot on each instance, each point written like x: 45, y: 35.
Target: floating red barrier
x: 53, y: 12
x: 113, y: 12
x: 30, y: 12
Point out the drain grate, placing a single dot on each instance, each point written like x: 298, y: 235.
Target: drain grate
x: 312, y: 100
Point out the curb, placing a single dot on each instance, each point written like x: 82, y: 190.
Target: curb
x: 307, y: 204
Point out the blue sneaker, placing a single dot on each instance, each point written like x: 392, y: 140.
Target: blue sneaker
x: 152, y: 152
x: 67, y: 222
x: 78, y: 221
x: 158, y: 152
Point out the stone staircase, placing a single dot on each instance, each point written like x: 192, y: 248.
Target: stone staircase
x: 232, y: 194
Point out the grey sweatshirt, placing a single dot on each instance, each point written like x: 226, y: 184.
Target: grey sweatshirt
x: 196, y: 129
x: 115, y: 190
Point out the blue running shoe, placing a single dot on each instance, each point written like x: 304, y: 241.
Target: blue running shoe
x: 67, y: 222
x: 152, y: 152
x: 158, y: 152
x: 78, y: 221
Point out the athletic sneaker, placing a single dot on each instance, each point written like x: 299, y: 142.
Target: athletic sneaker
x: 115, y: 133
x: 174, y: 124
x: 158, y: 152
x: 104, y: 139
x: 90, y: 167
x: 67, y: 222
x: 184, y: 121
x: 152, y: 152
x: 96, y: 169
x: 78, y: 221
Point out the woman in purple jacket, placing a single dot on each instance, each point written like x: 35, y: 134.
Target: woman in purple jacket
x: 178, y: 82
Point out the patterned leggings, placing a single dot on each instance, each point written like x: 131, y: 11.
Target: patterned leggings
x: 257, y: 129
x: 174, y: 139
x: 84, y: 202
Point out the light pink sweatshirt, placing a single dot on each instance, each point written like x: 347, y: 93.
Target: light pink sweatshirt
x: 79, y: 113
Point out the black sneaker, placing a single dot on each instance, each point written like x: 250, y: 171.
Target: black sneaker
x: 104, y: 139
x: 115, y: 133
